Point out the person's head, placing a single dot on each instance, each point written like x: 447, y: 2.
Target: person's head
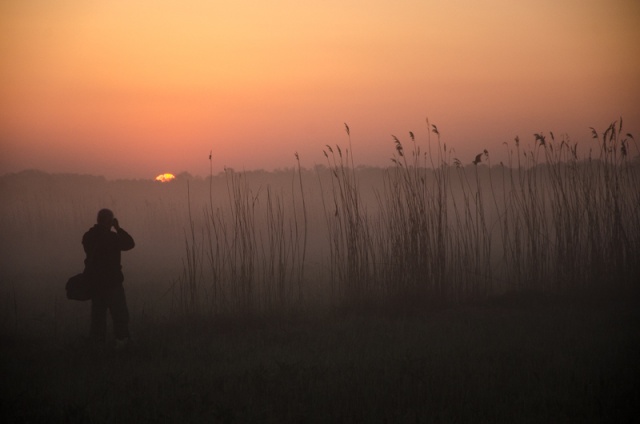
x: 105, y: 218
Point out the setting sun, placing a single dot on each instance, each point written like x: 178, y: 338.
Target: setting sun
x: 165, y: 178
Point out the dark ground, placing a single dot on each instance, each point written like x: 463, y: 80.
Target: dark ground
x: 520, y: 358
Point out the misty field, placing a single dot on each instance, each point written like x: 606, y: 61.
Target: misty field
x: 435, y: 290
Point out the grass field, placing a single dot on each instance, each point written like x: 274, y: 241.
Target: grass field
x: 518, y: 358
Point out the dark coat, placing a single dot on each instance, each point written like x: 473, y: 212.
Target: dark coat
x: 102, y: 247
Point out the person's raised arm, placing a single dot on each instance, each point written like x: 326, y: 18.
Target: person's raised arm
x: 125, y: 241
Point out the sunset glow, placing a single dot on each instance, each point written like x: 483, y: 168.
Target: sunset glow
x: 123, y: 88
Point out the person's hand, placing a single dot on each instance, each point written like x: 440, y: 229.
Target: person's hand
x: 116, y: 225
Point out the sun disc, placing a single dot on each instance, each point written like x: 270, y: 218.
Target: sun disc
x: 165, y: 178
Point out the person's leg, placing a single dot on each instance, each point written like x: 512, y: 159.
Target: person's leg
x: 119, y: 313
x: 98, y: 317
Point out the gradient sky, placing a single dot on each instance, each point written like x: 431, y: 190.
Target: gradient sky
x: 131, y: 89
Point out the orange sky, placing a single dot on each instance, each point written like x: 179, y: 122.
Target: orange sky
x: 135, y: 88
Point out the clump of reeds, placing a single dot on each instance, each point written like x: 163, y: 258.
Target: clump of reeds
x: 250, y: 255
x: 413, y: 217
x: 351, y: 261
x: 550, y: 221
x: 570, y: 221
x: 440, y: 229
x: 434, y: 237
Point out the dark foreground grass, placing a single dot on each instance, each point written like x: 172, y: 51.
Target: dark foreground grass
x: 515, y: 359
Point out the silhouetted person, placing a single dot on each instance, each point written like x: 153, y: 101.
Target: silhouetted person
x: 102, y: 265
